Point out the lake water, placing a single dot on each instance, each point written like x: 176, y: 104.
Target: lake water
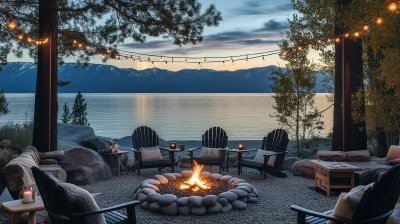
x: 173, y: 116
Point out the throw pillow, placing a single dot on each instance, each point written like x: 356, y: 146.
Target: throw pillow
x: 260, y: 157
x: 83, y: 201
x: 347, y: 203
x: 358, y: 156
x: 152, y: 153
x: 393, y: 153
x: 331, y: 156
x: 210, y: 153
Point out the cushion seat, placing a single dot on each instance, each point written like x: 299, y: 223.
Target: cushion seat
x: 158, y: 163
x: 206, y: 161
x: 251, y: 163
x: 114, y: 217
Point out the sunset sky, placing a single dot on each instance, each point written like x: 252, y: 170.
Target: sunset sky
x: 248, y: 26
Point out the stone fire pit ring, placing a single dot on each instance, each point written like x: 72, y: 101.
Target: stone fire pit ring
x: 240, y: 194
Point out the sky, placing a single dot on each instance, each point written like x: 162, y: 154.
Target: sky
x: 248, y: 26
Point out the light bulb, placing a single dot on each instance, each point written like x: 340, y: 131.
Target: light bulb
x: 185, y: 60
x: 366, y: 27
x: 310, y: 46
x: 356, y: 34
x: 329, y: 40
x: 205, y: 60
x: 392, y: 7
x: 152, y: 63
x: 337, y: 40
x: 347, y: 35
x: 75, y: 41
x: 319, y: 41
x: 284, y: 53
x: 12, y: 25
x: 199, y: 65
x: 379, y: 21
x: 172, y: 60
x: 126, y: 58
x: 166, y: 64
x: 131, y: 58
x: 161, y: 58
x: 29, y: 39
x: 148, y: 59
x: 79, y: 45
x: 300, y: 48
x: 231, y: 59
x: 223, y: 63
x: 233, y: 62
x: 108, y: 51
x: 87, y: 47
x: 247, y: 59
x: 263, y: 58
x: 140, y: 60
x: 20, y: 37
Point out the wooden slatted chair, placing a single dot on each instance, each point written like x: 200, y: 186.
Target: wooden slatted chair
x: 375, y: 207
x: 145, y: 137
x: 62, y: 211
x: 275, y: 142
x: 214, y: 137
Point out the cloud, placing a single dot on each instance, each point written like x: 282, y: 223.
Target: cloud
x: 256, y: 42
x: 259, y: 7
x: 273, y: 25
x: 149, y: 44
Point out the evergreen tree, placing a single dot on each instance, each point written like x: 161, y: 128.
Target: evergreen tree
x: 3, y: 104
x: 65, y: 117
x: 294, y: 95
x: 78, y: 114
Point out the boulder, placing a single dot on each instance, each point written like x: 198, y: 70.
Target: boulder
x: 171, y: 209
x: 183, y: 201
x: 186, y: 173
x: 162, y: 179
x: 74, y: 133
x: 48, y: 162
x: 167, y: 199
x: 199, y: 210
x: 184, y: 210
x: 303, y: 168
x: 239, y: 205
x: 288, y: 163
x: 210, y: 200
x: 214, y: 209
x: 155, y: 207
x: 84, y: 166
x: 196, y: 201
x: 57, y: 155
x: 55, y: 170
x: 97, y: 143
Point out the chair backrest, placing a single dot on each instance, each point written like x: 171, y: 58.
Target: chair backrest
x: 54, y: 196
x: 277, y: 141
x: 144, y: 137
x: 215, y: 137
x: 383, y: 196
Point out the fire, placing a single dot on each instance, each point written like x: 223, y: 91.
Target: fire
x: 195, y: 182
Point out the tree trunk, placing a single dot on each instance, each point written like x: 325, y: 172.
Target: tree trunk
x: 382, y: 146
x: 46, y: 108
x: 337, y: 135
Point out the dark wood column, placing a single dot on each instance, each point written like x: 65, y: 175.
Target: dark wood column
x: 45, y: 117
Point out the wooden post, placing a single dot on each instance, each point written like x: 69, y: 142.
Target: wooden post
x: 46, y: 108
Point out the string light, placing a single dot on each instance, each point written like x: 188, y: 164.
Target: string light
x: 20, y: 37
x: 329, y: 40
x: 87, y: 47
x: 172, y: 60
x: 347, y: 35
x: 75, y: 42
x: 263, y: 58
x: 148, y: 59
x: 299, y: 48
x: 118, y: 58
x: 131, y: 58
x: 79, y: 45
x: 366, y: 27
x: 199, y: 65
x: 247, y: 59
x: 379, y: 21
x: 337, y: 40
x: 12, y: 25
x: 356, y: 34
x: 319, y: 41
x: 310, y: 46
x: 185, y: 60
x: 166, y: 64
x: 161, y: 58
x: 140, y: 60
x: 284, y: 53
x: 392, y: 7
x: 233, y: 62
x: 29, y: 39
x: 152, y: 63
x: 223, y: 63
x: 126, y: 58
x: 205, y: 60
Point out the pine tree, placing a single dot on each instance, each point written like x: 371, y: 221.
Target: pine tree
x: 3, y: 104
x: 78, y: 114
x: 65, y: 117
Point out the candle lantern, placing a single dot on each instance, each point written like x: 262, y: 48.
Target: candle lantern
x: 240, y: 146
x: 182, y: 147
x: 172, y: 145
x: 26, y: 195
x: 116, y: 148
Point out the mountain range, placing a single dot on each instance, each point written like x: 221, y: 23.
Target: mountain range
x: 20, y: 77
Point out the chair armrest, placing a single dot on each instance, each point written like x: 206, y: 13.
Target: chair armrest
x: 135, y: 150
x: 192, y: 149
x: 247, y: 150
x: 104, y: 210
x: 305, y: 211
x: 171, y: 150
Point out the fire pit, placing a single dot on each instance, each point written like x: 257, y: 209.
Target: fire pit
x: 195, y: 192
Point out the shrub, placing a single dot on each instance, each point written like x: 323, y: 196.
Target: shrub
x: 19, y: 134
x: 6, y: 153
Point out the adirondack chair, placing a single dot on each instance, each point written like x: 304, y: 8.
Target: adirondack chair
x: 376, y: 205
x: 145, y: 137
x: 276, y: 142
x: 214, y: 137
x: 62, y: 211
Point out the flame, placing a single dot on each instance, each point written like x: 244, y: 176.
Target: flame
x: 195, y: 182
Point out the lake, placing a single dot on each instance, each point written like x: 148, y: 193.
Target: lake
x: 173, y: 116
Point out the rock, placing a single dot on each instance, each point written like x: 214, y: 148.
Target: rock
x: 230, y: 196
x: 255, y: 191
x: 184, y: 210
x: 182, y: 201
x: 151, y: 181
x: 161, y: 178
x: 245, y: 188
x: 247, y: 185
x: 184, y: 162
x: 238, y: 181
x: 199, y: 210
x: 97, y: 143
x: 231, y: 180
x: 48, y: 162
x: 226, y: 208
x: 56, y: 171
x: 74, y: 133
x: 153, y: 197
x: 214, y: 209
x: 216, y: 176
x: 243, y: 199
x: 167, y: 199
x: 186, y: 173
x: 57, y: 155
x: 225, y: 178
x: 303, y: 168
x: 252, y: 195
x: 288, y: 163
x: 239, y: 193
x: 147, y: 191
x: 84, y: 166
x: 145, y: 204
x: 142, y: 197
x: 178, y: 175
x: 205, y: 174
x: 169, y: 176
x: 239, y: 205
x: 223, y: 201
x: 196, y: 201
x: 146, y: 185
x: 252, y: 200
x: 171, y: 209
x: 210, y: 200
x: 155, y: 207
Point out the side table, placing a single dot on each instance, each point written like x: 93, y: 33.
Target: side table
x: 16, y: 207
x: 115, y: 158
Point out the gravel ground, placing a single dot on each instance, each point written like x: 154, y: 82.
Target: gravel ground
x: 276, y: 195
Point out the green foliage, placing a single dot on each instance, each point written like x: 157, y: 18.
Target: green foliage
x: 78, y: 114
x: 19, y: 134
x: 181, y: 20
x: 3, y: 104
x: 65, y: 117
x: 7, y: 152
x: 294, y: 95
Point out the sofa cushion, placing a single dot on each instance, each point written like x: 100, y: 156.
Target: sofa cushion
x: 83, y: 201
x: 213, y: 153
x: 152, y: 153
x: 348, y: 202
x: 58, y: 155
x: 260, y: 157
x: 331, y: 156
x: 358, y: 156
x: 393, y: 153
